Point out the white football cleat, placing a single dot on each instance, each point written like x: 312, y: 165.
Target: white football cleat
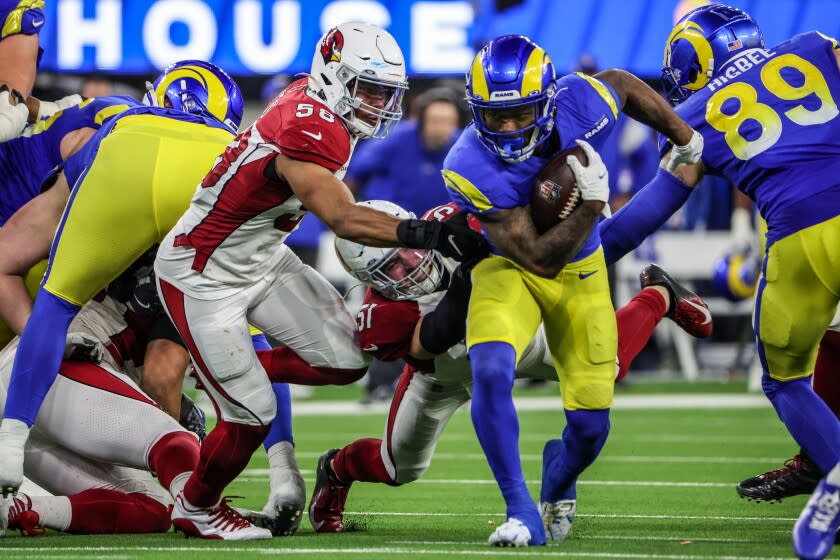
x: 5, y: 504
x: 283, y: 511
x: 511, y: 533
x: 13, y: 435
x: 557, y: 518
x: 218, y: 522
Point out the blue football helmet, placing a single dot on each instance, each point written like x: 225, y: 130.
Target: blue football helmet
x: 512, y: 71
x: 199, y: 88
x: 736, y: 274
x: 701, y: 43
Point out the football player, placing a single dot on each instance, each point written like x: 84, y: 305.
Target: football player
x: 409, y: 313
x: 98, y: 436
x: 159, y: 154
x: 224, y: 263
x: 22, y: 21
x: 523, y: 117
x: 769, y: 117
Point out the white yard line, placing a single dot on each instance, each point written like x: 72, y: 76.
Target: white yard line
x: 390, y: 551
x: 593, y: 515
x: 262, y: 473
x: 621, y: 402
x: 444, y: 456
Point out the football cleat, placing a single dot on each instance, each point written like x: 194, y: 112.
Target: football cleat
x: 798, y: 476
x: 283, y: 511
x: 13, y: 435
x: 326, y: 507
x: 21, y: 516
x: 687, y: 309
x: 557, y: 518
x: 192, y: 418
x: 218, y: 522
x: 511, y: 533
x: 815, y: 530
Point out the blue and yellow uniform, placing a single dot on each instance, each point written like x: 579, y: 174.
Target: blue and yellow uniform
x: 21, y: 17
x: 28, y: 160
x: 129, y: 185
x: 771, y: 126
x: 508, y: 302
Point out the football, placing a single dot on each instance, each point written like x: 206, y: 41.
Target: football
x: 556, y: 194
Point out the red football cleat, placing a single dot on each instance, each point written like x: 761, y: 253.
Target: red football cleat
x: 23, y: 517
x: 326, y: 508
x: 687, y: 309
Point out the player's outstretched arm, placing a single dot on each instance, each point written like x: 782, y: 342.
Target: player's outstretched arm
x: 327, y: 197
x: 640, y: 102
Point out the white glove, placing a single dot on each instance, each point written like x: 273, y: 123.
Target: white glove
x: 592, y: 179
x: 49, y: 108
x: 688, y: 154
x: 83, y: 347
x: 12, y: 117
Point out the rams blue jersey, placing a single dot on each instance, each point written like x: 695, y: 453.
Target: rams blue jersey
x: 76, y: 164
x: 482, y: 183
x: 771, y: 127
x: 27, y: 160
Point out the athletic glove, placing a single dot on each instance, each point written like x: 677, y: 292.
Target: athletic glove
x: 144, y: 297
x: 453, y: 238
x: 688, y: 154
x: 593, y: 178
x: 192, y: 418
x: 12, y: 117
x: 83, y: 347
x: 49, y: 108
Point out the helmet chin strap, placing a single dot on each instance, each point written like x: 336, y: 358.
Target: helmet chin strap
x: 150, y: 92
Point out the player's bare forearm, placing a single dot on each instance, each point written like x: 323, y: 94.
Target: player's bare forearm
x: 327, y: 197
x: 514, y: 234
x: 640, y: 102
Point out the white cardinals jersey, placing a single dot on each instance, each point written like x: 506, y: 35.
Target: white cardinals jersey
x: 241, y: 213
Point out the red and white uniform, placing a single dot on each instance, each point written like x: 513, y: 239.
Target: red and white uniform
x: 425, y: 399
x: 96, y: 427
x: 224, y: 263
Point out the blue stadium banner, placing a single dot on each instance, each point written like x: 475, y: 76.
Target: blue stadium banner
x: 438, y: 37
x: 243, y: 36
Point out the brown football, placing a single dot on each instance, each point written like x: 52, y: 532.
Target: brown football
x: 556, y: 194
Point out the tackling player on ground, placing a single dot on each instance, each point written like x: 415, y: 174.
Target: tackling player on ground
x: 415, y: 309
x: 523, y: 117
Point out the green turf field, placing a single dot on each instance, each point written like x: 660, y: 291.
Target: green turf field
x: 662, y: 488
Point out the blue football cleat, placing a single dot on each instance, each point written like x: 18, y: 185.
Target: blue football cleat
x: 814, y: 532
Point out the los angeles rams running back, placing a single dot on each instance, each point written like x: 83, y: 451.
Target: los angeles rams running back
x: 769, y: 117
x: 523, y: 116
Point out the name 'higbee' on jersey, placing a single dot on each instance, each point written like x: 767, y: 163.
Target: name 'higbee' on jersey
x: 769, y: 120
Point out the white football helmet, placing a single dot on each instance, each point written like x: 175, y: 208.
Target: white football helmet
x: 396, y: 273
x: 359, y: 72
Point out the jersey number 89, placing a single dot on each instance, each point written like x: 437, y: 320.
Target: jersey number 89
x: 766, y: 116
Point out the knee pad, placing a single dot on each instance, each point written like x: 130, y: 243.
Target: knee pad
x: 588, y: 425
x: 493, y: 363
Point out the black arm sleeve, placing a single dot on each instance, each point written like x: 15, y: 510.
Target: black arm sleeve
x: 446, y: 325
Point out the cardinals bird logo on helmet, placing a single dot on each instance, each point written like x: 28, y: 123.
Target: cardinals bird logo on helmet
x: 331, y: 46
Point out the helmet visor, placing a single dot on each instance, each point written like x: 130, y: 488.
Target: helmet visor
x: 377, y: 103
x: 407, y: 274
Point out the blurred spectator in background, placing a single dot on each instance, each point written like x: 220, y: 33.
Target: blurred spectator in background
x: 405, y: 167
x: 96, y: 86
